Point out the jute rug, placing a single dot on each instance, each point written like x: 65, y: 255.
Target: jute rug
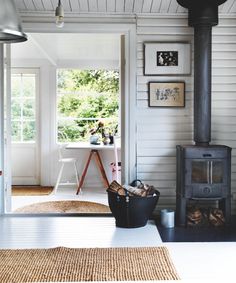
x: 67, y: 206
x: 31, y: 190
x: 97, y: 264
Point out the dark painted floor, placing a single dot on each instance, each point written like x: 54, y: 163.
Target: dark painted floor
x: 200, y: 234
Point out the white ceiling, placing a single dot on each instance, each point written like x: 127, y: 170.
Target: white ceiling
x: 59, y: 47
x: 114, y: 6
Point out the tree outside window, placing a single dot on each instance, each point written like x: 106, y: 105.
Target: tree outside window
x: 85, y: 97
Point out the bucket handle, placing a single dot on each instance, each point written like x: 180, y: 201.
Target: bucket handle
x: 127, y: 207
x: 134, y: 183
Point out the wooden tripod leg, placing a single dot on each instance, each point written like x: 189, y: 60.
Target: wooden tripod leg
x: 84, y: 172
x: 101, y: 168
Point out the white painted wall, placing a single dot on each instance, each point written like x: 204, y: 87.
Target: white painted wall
x: 160, y: 129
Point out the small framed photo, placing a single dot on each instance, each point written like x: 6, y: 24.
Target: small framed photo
x: 166, y: 94
x: 167, y: 58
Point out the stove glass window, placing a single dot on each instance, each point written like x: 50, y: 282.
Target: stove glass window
x: 200, y: 172
x: 207, y: 172
x: 217, y: 172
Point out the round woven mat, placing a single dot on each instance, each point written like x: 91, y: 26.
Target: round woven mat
x: 67, y: 206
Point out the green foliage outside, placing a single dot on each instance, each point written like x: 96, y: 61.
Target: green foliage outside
x: 84, y: 98
x: 23, y: 107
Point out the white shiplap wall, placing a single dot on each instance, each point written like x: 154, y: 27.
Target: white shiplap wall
x: 159, y: 130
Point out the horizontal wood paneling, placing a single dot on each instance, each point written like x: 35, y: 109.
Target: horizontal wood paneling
x: 159, y: 130
x: 161, y: 7
x: 127, y: 6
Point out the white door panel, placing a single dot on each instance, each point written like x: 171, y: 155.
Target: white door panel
x: 24, y: 164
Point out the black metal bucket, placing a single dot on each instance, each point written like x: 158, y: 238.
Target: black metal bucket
x: 132, y: 212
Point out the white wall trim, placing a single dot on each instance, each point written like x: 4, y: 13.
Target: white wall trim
x: 86, y: 64
x: 47, y: 16
x: 8, y: 163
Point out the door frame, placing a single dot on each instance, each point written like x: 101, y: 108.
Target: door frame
x: 128, y: 152
x: 2, y: 149
x: 128, y: 29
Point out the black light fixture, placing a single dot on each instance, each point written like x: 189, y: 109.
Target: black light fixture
x: 10, y: 24
x: 59, y: 13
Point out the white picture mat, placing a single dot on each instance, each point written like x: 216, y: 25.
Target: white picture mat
x: 150, y: 58
x: 170, y: 101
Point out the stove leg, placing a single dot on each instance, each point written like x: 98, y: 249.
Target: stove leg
x: 225, y: 206
x: 181, y: 211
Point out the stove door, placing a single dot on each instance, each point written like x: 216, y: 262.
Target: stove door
x: 205, y: 171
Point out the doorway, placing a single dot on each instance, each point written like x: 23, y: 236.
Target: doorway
x: 50, y: 63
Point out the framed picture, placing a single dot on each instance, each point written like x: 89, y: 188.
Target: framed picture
x: 167, y: 58
x: 166, y: 94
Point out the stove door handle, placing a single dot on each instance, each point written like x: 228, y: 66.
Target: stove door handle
x: 207, y: 155
x: 211, y: 172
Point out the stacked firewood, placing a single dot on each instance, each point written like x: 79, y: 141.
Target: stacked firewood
x: 205, y: 217
x: 141, y: 190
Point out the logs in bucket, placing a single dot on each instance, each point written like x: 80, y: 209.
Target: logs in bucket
x: 131, y: 206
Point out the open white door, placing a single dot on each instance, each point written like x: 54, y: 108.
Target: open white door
x: 7, y: 126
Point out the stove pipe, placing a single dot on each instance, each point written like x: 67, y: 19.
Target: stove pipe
x: 203, y: 14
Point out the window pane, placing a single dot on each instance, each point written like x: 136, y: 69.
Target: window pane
x: 15, y: 85
x: 85, y: 97
x: 68, y: 130
x: 16, y: 131
x: 29, y: 109
x: 15, y: 109
x: 23, y: 107
x: 29, y: 131
x: 29, y: 85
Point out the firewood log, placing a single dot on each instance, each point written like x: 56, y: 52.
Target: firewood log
x: 116, y: 187
x: 194, y: 216
x: 216, y: 217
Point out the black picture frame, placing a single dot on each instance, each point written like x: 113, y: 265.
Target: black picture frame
x: 175, y: 58
x: 166, y: 94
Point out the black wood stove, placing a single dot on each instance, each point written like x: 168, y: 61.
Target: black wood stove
x: 203, y: 173
x: 203, y: 170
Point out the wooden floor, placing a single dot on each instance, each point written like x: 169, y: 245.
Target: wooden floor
x: 202, y: 262
x: 45, y: 232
